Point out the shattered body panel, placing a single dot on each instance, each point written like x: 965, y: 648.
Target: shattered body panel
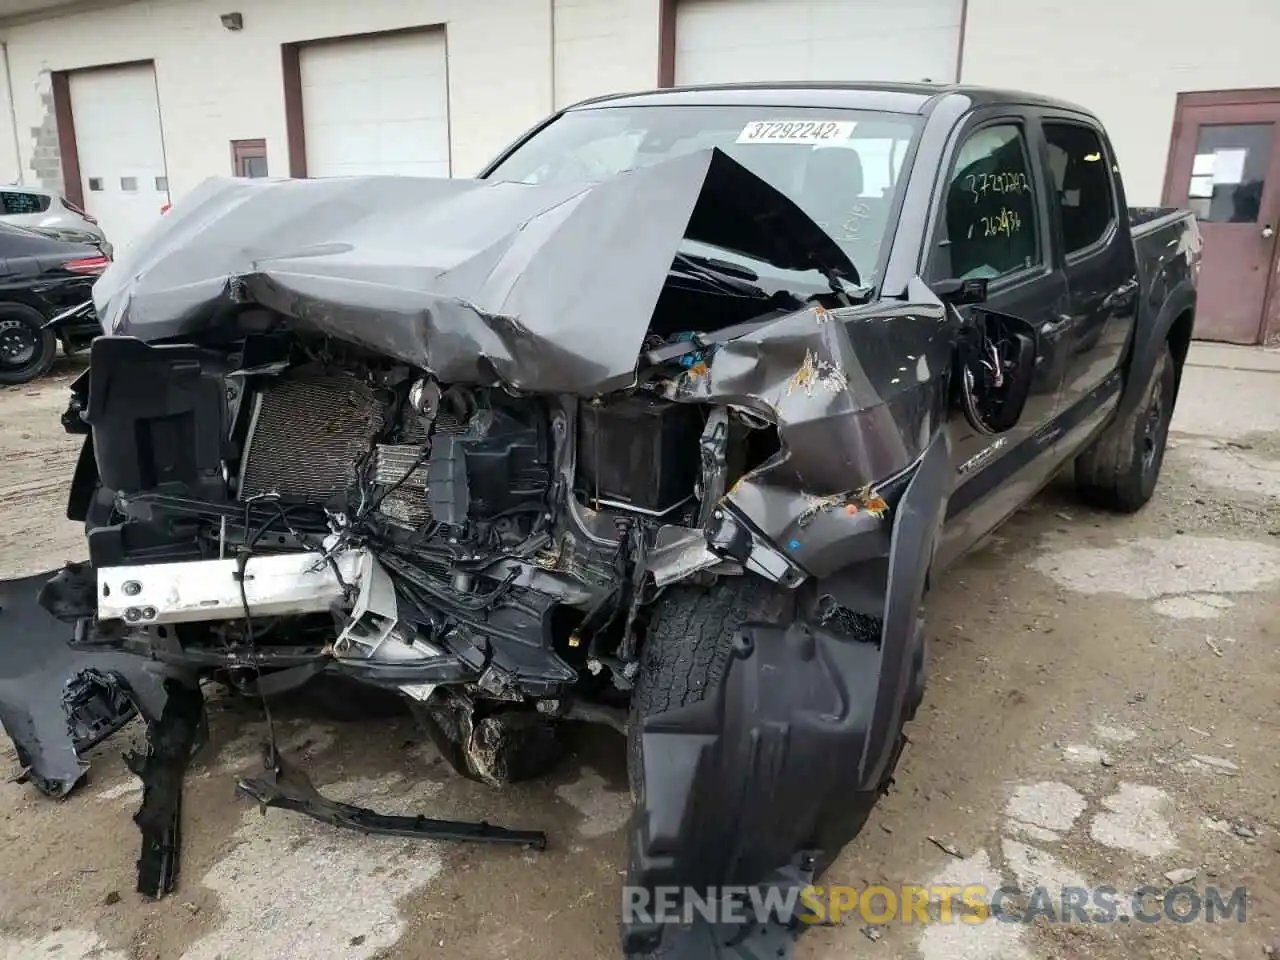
x: 474, y: 281
x: 56, y: 701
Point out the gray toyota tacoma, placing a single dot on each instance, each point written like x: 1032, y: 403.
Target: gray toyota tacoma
x: 666, y: 422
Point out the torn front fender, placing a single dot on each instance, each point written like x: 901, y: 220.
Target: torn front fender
x: 784, y: 759
x: 856, y: 394
x: 55, y: 701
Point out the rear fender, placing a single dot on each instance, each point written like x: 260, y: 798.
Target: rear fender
x: 1148, y: 345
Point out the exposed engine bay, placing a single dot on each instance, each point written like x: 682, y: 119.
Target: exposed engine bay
x: 288, y: 474
x: 299, y: 503
x: 472, y: 474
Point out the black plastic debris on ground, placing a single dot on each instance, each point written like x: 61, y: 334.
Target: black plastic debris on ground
x: 288, y: 788
x: 171, y: 741
x: 55, y: 701
x: 97, y: 705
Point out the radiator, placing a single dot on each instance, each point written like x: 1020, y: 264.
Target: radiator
x: 306, y: 435
x: 403, y: 464
x: 394, y: 466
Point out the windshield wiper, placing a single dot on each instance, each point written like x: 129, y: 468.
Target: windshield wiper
x: 727, y: 267
x: 732, y: 281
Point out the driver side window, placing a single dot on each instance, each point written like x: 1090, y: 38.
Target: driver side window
x: 991, y: 215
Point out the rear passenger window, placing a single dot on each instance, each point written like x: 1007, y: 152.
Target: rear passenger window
x: 15, y: 202
x: 1082, y: 182
x: 993, y: 226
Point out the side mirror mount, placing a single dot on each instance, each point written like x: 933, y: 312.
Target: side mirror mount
x: 959, y: 293
x: 995, y: 367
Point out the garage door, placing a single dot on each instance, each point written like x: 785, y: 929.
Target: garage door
x: 729, y: 40
x: 376, y: 105
x: 116, y: 114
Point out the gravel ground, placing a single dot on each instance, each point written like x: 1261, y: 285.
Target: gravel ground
x: 1101, y: 711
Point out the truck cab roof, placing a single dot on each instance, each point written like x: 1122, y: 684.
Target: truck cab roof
x: 909, y: 98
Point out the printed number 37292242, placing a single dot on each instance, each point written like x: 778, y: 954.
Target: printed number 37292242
x: 795, y: 131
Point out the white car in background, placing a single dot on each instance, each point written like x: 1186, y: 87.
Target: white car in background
x: 51, y: 214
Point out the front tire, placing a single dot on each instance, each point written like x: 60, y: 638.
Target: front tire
x: 1120, y: 468
x: 687, y: 646
x: 27, y: 349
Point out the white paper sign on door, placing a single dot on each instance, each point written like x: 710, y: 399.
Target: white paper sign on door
x: 1228, y: 165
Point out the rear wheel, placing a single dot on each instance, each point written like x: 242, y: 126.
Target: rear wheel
x: 27, y: 350
x: 1120, y: 469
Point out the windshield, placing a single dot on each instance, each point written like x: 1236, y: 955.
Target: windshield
x: 840, y: 166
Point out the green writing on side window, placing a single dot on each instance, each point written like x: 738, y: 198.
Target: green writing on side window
x: 980, y: 185
x: 1003, y: 223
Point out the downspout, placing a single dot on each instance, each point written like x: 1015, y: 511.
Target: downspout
x: 964, y: 27
x: 13, y: 111
x: 554, y: 104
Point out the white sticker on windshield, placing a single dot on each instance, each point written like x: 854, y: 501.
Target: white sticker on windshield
x: 796, y: 131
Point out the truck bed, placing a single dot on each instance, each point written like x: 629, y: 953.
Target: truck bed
x: 1145, y: 219
x: 1162, y: 239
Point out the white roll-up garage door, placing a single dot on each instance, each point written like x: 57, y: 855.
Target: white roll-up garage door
x: 376, y: 105
x: 720, y: 41
x: 116, y: 115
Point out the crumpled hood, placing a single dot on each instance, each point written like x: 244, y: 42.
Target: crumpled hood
x: 544, y: 287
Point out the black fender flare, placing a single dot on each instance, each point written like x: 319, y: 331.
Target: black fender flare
x: 916, y: 528
x: 758, y: 780
x: 1148, y: 343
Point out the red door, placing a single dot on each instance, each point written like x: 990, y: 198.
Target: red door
x: 1225, y: 166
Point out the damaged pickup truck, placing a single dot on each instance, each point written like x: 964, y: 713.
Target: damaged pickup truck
x: 666, y: 421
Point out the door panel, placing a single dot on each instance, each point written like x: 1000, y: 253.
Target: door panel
x: 1226, y: 168
x: 995, y: 475
x: 1099, y: 261
x: 995, y: 224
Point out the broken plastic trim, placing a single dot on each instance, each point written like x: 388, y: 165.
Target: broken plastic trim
x: 97, y: 705
x: 55, y: 701
x: 172, y: 739
x: 288, y: 788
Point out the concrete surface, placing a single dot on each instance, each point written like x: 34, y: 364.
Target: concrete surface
x: 1101, y: 711
x: 1229, y: 356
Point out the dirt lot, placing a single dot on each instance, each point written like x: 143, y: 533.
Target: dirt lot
x: 1102, y: 710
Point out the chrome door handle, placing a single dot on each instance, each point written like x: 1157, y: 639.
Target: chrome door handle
x: 1267, y: 232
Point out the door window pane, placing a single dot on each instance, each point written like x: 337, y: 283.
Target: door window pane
x: 1229, y: 171
x: 1082, y: 182
x: 992, y: 220
x: 249, y: 158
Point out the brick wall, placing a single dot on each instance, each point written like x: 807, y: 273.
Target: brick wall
x: 45, y: 163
